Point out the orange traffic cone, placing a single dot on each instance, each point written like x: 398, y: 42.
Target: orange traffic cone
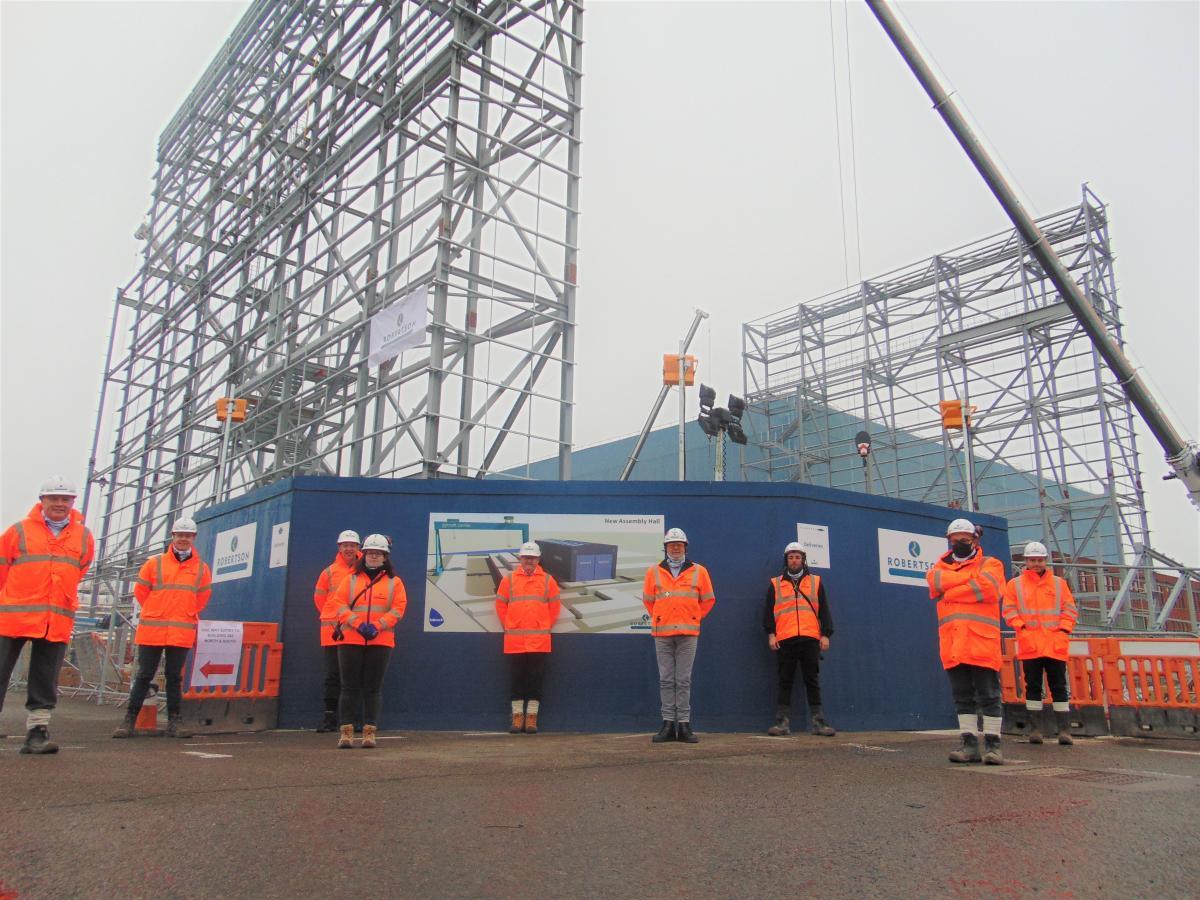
x: 147, y: 718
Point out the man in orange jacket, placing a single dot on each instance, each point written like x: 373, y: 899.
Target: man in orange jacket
x: 967, y: 586
x: 42, y: 560
x: 1040, y: 607
x: 331, y: 576
x: 528, y: 606
x: 677, y: 593
x: 172, y: 588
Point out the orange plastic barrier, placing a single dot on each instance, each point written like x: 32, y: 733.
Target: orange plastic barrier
x: 258, y: 677
x: 1131, y: 685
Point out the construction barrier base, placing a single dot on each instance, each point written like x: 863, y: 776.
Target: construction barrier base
x: 220, y: 716
x: 1145, y: 721
x: 1086, y: 721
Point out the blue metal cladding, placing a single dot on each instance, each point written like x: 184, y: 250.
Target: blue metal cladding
x: 882, y: 670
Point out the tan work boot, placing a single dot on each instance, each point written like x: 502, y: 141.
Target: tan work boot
x: 531, y: 723
x: 1064, y: 728
x: 368, y: 741
x: 127, y: 728
x: 346, y: 737
x: 518, y: 723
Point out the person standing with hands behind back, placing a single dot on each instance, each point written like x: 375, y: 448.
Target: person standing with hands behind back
x: 798, y: 626
x: 367, y: 605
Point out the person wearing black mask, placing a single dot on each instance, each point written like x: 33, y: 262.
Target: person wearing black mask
x: 967, y: 586
x: 798, y: 624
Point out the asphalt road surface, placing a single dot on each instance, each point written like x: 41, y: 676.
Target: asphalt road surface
x: 448, y: 814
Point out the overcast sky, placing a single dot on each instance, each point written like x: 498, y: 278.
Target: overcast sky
x: 710, y: 170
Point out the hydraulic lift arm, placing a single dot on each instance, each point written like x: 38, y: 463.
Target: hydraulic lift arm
x: 1182, y: 455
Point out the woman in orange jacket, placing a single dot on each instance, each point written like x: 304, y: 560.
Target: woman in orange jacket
x: 527, y: 604
x: 367, y: 605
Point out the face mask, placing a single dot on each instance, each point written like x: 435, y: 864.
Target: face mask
x: 962, y: 549
x: 673, y: 557
x: 371, y: 570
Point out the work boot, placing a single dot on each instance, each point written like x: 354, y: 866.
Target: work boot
x: 127, y: 728
x: 518, y: 723
x: 368, y: 741
x: 781, y: 726
x: 175, y: 727
x: 967, y: 751
x: 991, y: 750
x: 1064, y: 728
x: 819, y: 725
x: 683, y: 732
x: 531, y: 722
x: 38, y: 741
x: 328, y: 722
x: 346, y: 737
x: 665, y: 734
x: 1035, y: 725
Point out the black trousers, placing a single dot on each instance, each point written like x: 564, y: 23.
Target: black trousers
x: 333, y: 679
x: 805, y: 652
x: 45, y: 661
x: 1056, y: 673
x: 976, y: 690
x: 361, y: 670
x: 528, y: 670
x: 148, y: 658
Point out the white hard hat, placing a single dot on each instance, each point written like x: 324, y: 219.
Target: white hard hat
x: 60, y: 485
x: 376, y: 542
x: 1035, y: 548
x: 675, y: 534
x: 960, y: 526
x: 529, y: 548
x: 794, y: 547
x: 349, y: 537
x: 184, y: 525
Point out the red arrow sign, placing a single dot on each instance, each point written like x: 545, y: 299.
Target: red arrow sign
x: 209, y: 669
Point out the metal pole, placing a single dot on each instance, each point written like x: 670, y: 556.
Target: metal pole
x: 224, y: 454
x: 701, y: 315
x: 720, y: 473
x: 968, y: 469
x: 1180, y: 453
x: 682, y: 414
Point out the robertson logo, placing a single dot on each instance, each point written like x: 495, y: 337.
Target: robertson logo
x: 435, y: 618
x: 905, y: 556
x: 914, y: 549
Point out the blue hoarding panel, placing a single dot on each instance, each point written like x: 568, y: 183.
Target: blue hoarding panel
x: 882, y: 669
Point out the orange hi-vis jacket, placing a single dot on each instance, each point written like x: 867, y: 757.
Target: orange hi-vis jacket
x: 381, y: 602
x: 676, y: 605
x: 40, y: 575
x: 1042, y: 610
x: 968, y: 609
x: 327, y: 583
x: 796, y: 614
x: 528, y: 607
x: 171, y: 594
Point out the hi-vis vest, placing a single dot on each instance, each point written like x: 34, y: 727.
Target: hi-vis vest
x: 968, y: 595
x: 676, y: 605
x: 382, y: 604
x: 527, y: 606
x: 171, y: 594
x: 327, y: 585
x: 40, y: 575
x: 796, y: 613
x: 1038, y: 607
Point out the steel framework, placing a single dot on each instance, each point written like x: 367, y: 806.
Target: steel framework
x: 334, y: 157
x: 1052, y: 443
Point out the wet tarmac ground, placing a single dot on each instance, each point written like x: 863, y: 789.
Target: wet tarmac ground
x: 452, y: 814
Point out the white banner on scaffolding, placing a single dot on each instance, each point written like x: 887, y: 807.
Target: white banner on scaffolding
x: 398, y: 326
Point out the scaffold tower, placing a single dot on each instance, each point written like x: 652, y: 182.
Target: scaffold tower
x: 1051, y: 436
x: 334, y: 158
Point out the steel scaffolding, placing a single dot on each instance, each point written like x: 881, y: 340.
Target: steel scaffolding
x: 1052, y: 443
x: 334, y: 157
